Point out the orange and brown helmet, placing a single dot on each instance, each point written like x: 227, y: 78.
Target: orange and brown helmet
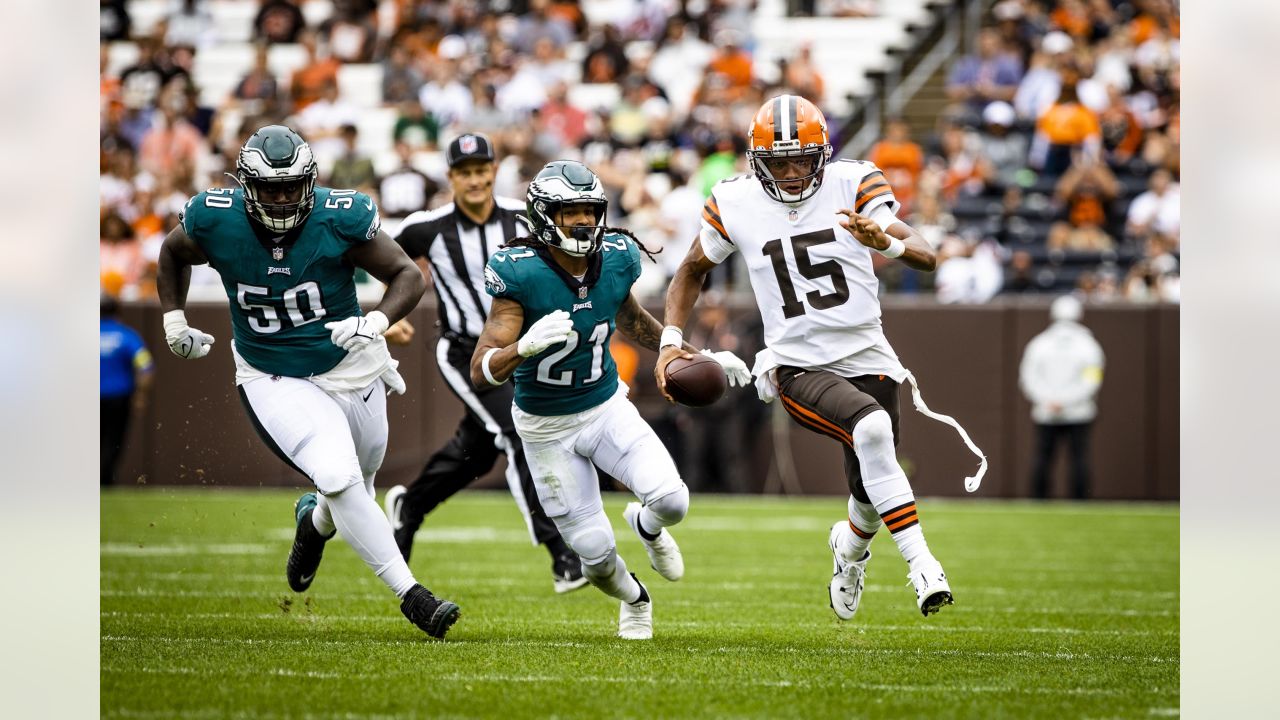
x: 789, y: 145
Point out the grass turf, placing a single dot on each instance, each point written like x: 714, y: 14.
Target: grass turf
x: 1063, y: 610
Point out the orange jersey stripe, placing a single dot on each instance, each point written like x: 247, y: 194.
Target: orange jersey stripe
x: 715, y: 223
x: 862, y: 201
x: 870, y: 180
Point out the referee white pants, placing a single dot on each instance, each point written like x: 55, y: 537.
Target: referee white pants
x: 336, y: 439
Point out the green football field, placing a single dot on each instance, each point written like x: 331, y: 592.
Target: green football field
x: 1062, y: 611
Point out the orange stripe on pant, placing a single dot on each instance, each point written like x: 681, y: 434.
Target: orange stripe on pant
x: 806, y: 422
x: 843, y: 435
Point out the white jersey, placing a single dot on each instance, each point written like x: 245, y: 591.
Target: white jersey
x: 813, y: 281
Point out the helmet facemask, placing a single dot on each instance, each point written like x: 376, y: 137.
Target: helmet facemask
x: 278, y: 173
x: 770, y: 165
x: 560, y: 185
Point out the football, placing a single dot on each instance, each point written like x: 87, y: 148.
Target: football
x: 697, y: 382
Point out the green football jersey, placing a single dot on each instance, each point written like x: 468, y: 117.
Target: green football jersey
x: 283, y: 290
x: 578, y: 374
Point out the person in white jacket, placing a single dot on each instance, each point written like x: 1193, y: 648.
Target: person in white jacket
x: 1060, y: 374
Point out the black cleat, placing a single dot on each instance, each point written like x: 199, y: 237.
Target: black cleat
x: 566, y: 572
x: 308, y: 546
x: 431, y: 614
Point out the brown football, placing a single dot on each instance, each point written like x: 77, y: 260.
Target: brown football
x: 697, y: 382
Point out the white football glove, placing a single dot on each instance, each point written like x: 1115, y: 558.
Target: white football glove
x: 767, y: 387
x: 734, y: 368
x: 185, y: 342
x: 550, y: 329
x: 356, y: 332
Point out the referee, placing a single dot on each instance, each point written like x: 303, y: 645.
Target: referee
x: 456, y: 241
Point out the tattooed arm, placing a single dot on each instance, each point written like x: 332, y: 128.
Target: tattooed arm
x: 501, y: 331
x: 636, y: 323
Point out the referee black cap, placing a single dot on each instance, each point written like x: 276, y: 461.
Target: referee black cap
x: 471, y: 146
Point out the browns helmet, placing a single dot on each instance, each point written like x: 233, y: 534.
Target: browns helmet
x: 788, y: 145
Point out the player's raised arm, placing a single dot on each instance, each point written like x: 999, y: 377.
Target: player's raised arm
x: 899, y: 240
x: 682, y: 293
x: 173, y: 277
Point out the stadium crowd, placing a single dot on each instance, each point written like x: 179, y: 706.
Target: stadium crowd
x: 1055, y: 166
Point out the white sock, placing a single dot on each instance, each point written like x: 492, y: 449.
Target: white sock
x: 322, y: 518
x: 613, y: 579
x: 363, y: 525
x: 863, y: 523
x: 887, y: 486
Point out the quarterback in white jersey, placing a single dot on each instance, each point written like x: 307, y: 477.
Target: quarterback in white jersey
x: 806, y: 228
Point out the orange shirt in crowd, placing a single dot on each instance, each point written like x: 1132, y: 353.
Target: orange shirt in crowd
x: 120, y: 263
x: 164, y: 149
x: 1069, y: 124
x: 1143, y: 28
x: 901, y: 163
x: 626, y: 358
x: 1077, y: 25
x: 736, y: 66
x: 308, y: 83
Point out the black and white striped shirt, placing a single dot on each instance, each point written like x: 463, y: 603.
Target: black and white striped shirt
x: 458, y: 249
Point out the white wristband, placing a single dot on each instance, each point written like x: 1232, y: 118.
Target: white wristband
x: 895, y: 249
x: 484, y: 367
x: 671, y: 335
x: 175, y: 321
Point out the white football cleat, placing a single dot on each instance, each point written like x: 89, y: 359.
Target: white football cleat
x: 664, y: 554
x: 846, y: 577
x: 635, y: 620
x: 932, y: 590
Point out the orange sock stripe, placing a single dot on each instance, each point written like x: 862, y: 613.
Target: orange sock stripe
x: 843, y: 434
x: 806, y: 422
x: 909, y: 521
x: 893, y: 515
x: 861, y: 533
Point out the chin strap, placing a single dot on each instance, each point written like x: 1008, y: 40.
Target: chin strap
x: 973, y: 482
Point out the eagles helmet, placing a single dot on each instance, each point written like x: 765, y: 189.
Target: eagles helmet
x: 278, y: 173
x: 789, y: 131
x: 562, y: 183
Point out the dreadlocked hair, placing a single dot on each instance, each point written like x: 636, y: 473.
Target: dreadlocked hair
x: 531, y: 242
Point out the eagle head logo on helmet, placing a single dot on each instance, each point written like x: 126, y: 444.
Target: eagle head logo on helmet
x: 278, y: 173
x: 560, y: 184
x: 788, y: 148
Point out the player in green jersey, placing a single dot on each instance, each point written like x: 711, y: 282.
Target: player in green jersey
x: 312, y: 370
x: 558, y: 297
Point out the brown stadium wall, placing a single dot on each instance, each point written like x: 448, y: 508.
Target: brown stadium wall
x: 966, y: 358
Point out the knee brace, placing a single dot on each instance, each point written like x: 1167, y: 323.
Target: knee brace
x: 875, y: 431
x: 672, y: 507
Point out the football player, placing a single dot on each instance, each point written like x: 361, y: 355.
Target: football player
x: 558, y: 296
x: 806, y: 227
x: 312, y: 370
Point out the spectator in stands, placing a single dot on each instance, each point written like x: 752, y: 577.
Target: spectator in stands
x: 733, y: 63
x: 351, y: 32
x: 561, y: 119
x: 1018, y: 278
x: 1158, y: 210
x: 124, y: 381
x: 173, y: 142
x: 322, y: 121
x: 445, y: 96
x: 308, y: 83
x: 259, y: 90
x: 1017, y: 31
x: 352, y: 169
x: 606, y: 58
x: 115, y: 182
x: 1042, y: 82
x: 114, y: 22
x: 802, y: 76
x: 1085, y: 191
x: 932, y: 220
x: 961, y: 168
x: 120, y: 255
x: 968, y: 271
x: 1060, y: 373
x: 901, y: 160
x: 415, y: 127
x: 279, y: 21
x: 1065, y: 130
x: 1121, y: 133
x: 679, y: 62
x: 190, y: 23
x: 405, y: 190
x: 141, y: 83
x: 993, y: 73
x: 1004, y: 149
x: 538, y: 23
x: 401, y: 78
